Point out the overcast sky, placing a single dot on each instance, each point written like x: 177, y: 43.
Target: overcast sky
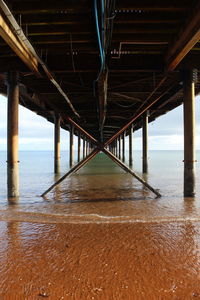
x: 36, y: 133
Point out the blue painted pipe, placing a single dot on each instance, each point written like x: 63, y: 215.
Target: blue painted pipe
x: 100, y: 37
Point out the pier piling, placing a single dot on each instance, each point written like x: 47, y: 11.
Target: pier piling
x: 123, y: 146
x: 71, y: 152
x: 119, y: 141
x: 12, y: 135
x: 84, y: 146
x: 131, y: 145
x: 56, y: 144
x: 189, y: 133
x: 145, y: 143
x: 79, y: 146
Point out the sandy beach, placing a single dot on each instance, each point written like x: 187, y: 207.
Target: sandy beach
x: 100, y: 261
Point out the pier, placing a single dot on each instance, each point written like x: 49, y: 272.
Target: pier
x: 101, y: 72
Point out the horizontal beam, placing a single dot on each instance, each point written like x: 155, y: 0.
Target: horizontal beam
x: 146, y: 5
x: 40, y: 20
x: 60, y: 30
x: 89, y: 28
x: 45, y: 7
x: 58, y: 19
x: 135, y: 38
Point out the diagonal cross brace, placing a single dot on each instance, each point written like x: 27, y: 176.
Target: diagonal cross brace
x: 124, y: 167
x: 72, y: 170
x: 110, y: 155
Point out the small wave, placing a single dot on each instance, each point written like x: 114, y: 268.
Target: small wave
x: 37, y: 217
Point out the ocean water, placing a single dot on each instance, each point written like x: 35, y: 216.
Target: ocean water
x: 100, y: 190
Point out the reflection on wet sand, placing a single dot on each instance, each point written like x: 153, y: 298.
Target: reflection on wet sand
x: 100, y: 261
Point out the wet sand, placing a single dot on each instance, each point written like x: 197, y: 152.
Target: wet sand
x: 100, y: 235
x: 100, y: 261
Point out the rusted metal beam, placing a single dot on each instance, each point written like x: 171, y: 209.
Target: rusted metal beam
x: 187, y: 38
x: 123, y: 166
x: 140, y: 112
x: 83, y: 131
x: 72, y: 170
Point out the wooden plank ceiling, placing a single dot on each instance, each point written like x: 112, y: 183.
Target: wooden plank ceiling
x: 146, y: 44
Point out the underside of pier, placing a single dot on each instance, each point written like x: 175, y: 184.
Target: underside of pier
x: 101, y: 66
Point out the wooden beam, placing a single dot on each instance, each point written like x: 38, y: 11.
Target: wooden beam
x: 17, y: 45
x: 187, y: 38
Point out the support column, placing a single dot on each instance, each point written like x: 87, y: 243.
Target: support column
x: 131, y: 145
x: 189, y: 133
x: 79, y: 146
x: 86, y: 147
x: 123, y: 146
x: 90, y: 147
x: 119, y: 139
x: 116, y: 147
x: 83, y: 146
x: 71, y: 145
x: 56, y: 144
x: 12, y: 135
x: 113, y: 147
x: 145, y: 143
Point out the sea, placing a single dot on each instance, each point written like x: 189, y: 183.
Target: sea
x: 101, y: 191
